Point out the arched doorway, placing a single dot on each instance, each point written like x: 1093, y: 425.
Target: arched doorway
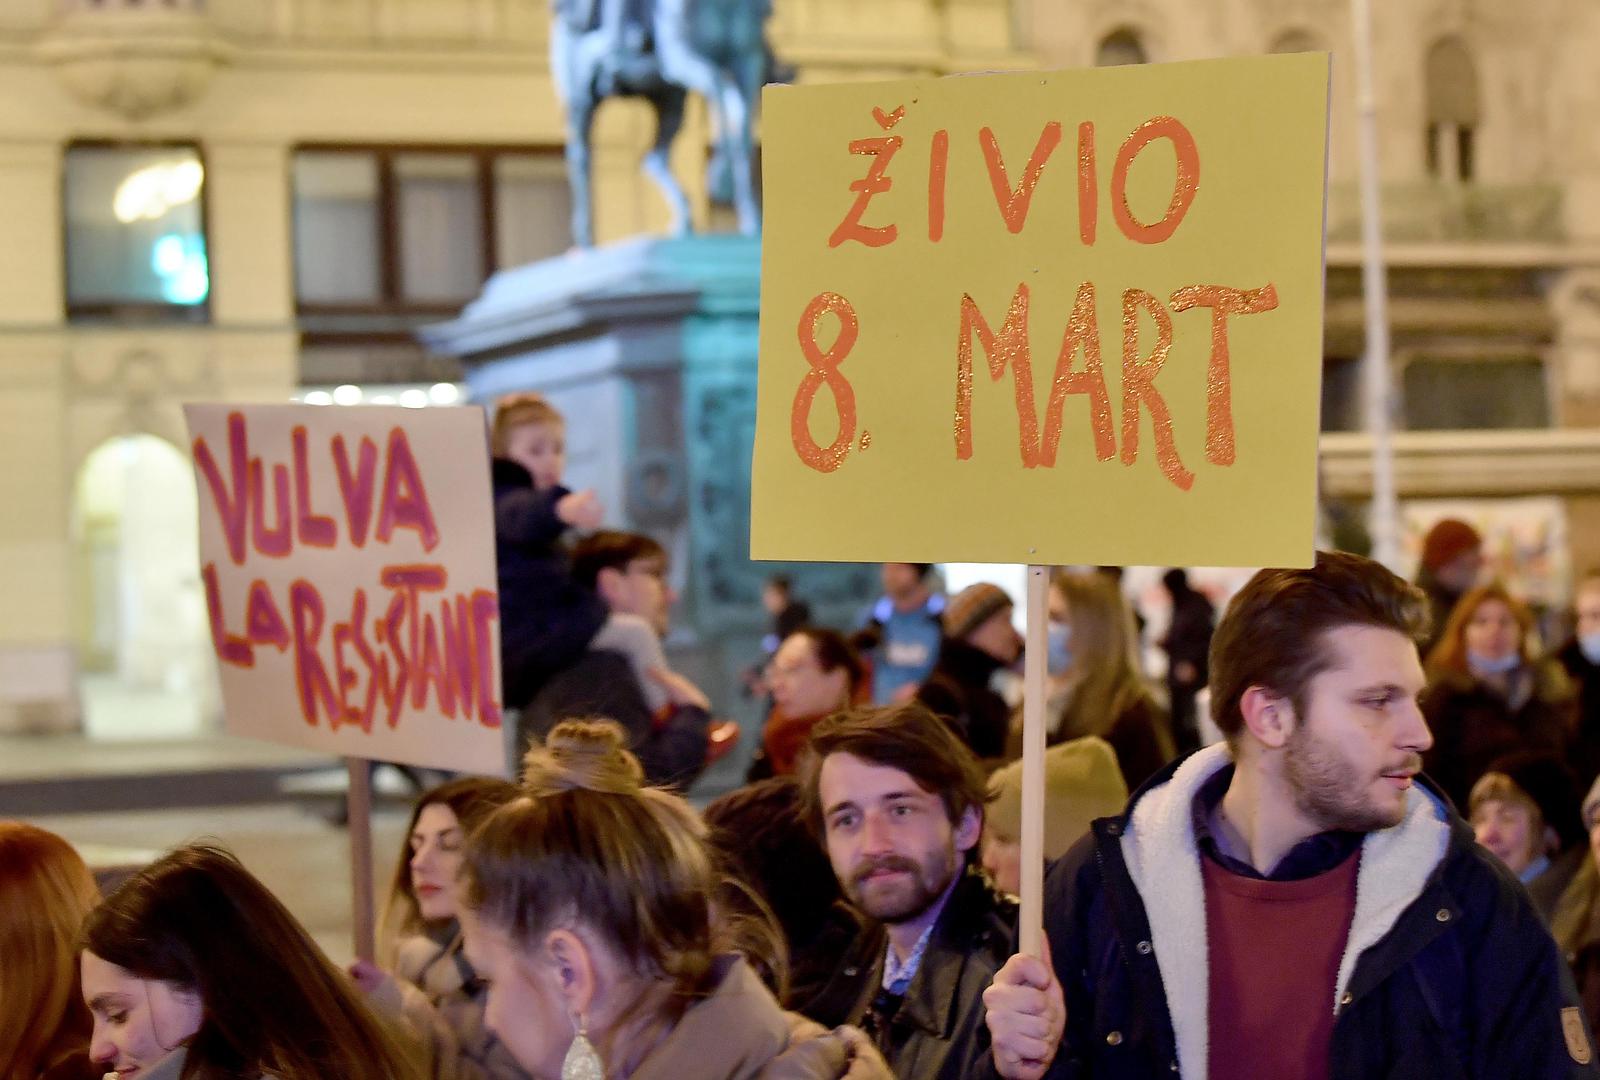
x: 139, y: 611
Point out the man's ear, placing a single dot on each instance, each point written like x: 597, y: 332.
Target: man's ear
x: 1268, y: 718
x: 575, y: 971
x: 969, y: 829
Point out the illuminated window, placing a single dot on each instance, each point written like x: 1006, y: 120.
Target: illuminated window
x: 135, y: 231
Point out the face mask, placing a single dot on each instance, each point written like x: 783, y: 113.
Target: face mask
x: 1483, y: 665
x: 1060, y: 648
x: 1590, y: 644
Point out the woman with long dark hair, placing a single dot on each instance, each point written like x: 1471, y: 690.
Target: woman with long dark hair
x: 194, y: 971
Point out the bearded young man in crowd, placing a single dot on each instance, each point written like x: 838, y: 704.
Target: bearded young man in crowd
x: 1297, y: 900
x: 897, y: 798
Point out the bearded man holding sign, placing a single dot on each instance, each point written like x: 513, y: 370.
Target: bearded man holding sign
x: 1298, y: 901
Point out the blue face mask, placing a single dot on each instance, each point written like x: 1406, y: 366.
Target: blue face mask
x: 1590, y: 644
x: 1060, y: 648
x: 1483, y: 665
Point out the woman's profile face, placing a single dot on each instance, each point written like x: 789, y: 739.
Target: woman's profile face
x: 137, y: 1022
x: 436, y: 842
x: 524, y: 1007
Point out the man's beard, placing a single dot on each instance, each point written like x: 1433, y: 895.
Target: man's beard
x: 914, y: 894
x: 1331, y: 791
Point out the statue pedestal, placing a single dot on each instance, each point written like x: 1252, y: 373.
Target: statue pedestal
x: 649, y: 349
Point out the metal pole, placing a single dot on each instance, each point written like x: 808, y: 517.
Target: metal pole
x: 1385, y: 518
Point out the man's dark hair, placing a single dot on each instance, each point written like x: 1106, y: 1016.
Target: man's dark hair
x: 834, y: 651
x: 782, y: 583
x: 610, y: 549
x: 1274, y: 632
x: 907, y: 737
x: 923, y: 569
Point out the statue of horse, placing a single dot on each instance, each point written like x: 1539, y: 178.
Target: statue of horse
x: 661, y: 50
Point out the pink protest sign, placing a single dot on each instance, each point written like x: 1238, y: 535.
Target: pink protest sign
x: 348, y: 562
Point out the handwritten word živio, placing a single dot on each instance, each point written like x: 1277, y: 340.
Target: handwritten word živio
x: 424, y: 642
x: 241, y: 496
x: 1013, y: 200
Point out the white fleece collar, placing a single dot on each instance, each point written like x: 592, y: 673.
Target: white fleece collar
x: 1163, y: 859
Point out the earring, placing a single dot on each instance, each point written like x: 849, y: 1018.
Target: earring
x: 582, y: 1061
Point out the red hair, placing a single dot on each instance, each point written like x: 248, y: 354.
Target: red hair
x: 46, y: 890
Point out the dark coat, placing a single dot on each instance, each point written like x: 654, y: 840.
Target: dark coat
x: 1194, y: 620
x: 1586, y: 674
x: 1473, y: 725
x: 830, y: 970
x: 546, y: 618
x: 1464, y: 983
x: 1442, y: 600
x: 1141, y: 741
x: 602, y: 683
x: 958, y: 690
x: 937, y: 1031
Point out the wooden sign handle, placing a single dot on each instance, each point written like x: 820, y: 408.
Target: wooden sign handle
x: 360, y: 806
x: 1035, y: 663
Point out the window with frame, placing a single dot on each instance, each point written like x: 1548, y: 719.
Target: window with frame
x: 419, y: 229
x: 1476, y: 393
x: 134, y: 226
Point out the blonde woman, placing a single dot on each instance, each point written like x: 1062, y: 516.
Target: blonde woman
x: 590, y: 914
x: 1095, y: 685
x: 45, y: 892
x: 1489, y: 694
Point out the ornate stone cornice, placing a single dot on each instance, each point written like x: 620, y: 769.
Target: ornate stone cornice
x: 134, y: 59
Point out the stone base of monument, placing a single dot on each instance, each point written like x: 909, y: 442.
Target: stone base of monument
x: 649, y: 349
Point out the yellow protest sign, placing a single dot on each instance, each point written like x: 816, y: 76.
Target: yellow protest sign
x: 1065, y: 317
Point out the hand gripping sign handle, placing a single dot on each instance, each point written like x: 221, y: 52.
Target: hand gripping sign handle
x: 1035, y: 661
x: 360, y: 825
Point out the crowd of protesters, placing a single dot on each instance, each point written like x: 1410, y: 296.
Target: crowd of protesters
x: 1408, y: 825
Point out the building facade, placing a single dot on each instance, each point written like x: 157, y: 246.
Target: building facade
x: 263, y: 199
x: 257, y: 200
x: 1490, y: 165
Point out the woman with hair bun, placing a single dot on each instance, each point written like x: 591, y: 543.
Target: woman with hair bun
x: 194, y: 971
x: 590, y: 913
x: 45, y: 892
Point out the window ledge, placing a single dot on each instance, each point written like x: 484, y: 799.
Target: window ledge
x: 1558, y: 461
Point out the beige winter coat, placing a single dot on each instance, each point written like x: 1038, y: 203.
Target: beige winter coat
x: 430, y: 994
x: 741, y: 1033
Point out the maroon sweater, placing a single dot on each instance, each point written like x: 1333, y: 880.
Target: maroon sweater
x: 1273, y: 950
